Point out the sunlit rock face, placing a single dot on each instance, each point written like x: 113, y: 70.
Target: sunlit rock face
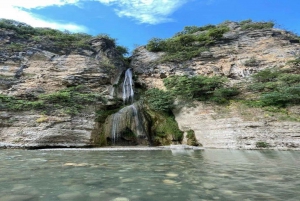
x: 40, y: 68
x: 269, y: 47
x: 229, y: 126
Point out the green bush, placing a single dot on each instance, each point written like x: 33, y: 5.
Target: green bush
x: 185, y: 45
x: 283, y: 97
x: 190, y: 134
x: 122, y: 50
x: 156, y: 45
x: 249, y: 25
x: 267, y: 75
x: 194, y: 29
x: 262, y: 144
x: 14, y: 104
x: 200, y: 88
x: 276, y: 88
x: 295, y: 62
x: 251, y: 62
x: 159, y: 100
x: 243, y: 22
x: 55, y: 39
x: 167, y: 126
x: 71, y: 100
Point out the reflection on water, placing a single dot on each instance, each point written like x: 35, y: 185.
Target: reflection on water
x: 176, y: 175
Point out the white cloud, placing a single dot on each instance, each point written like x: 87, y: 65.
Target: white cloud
x: 146, y: 11
x: 19, y: 10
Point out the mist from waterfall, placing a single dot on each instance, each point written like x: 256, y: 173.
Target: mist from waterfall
x: 127, y: 87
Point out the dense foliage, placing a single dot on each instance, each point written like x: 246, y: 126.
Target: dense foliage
x: 201, y: 88
x: 250, y: 25
x: 70, y: 101
x: 187, y: 44
x: 188, y: 89
x: 276, y: 87
x: 58, y: 40
x: 159, y: 100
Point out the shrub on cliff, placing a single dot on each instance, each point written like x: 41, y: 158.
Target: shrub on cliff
x: 201, y: 88
x: 159, y: 100
x: 70, y: 100
x: 187, y: 44
x: 276, y: 87
x: 53, y: 39
x: 250, y: 25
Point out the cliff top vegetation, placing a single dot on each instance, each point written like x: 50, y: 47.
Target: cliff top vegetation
x: 193, y: 40
x: 64, y: 40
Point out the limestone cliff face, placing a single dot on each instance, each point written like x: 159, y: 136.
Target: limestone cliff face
x: 269, y: 47
x: 33, y: 70
x: 37, y: 69
x: 232, y: 126
x: 238, y: 127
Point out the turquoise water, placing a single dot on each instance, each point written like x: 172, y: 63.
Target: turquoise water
x: 149, y: 175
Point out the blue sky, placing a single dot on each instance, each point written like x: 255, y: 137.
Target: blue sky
x: 134, y: 22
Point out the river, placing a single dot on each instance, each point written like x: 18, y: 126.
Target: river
x: 155, y: 175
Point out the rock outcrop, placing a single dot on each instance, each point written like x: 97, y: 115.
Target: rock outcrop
x: 238, y: 55
x: 83, y: 87
x: 40, y: 69
x: 238, y: 127
x: 229, y: 56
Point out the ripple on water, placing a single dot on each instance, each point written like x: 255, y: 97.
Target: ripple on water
x: 93, y: 176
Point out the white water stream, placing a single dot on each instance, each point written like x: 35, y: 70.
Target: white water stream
x: 127, y: 87
x: 128, y: 95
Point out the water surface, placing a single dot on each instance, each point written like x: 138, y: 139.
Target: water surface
x: 149, y: 175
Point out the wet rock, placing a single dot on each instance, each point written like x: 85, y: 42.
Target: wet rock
x: 168, y: 181
x: 19, y: 198
x: 121, y: 199
x: 208, y: 185
x: 72, y: 196
x: 171, y: 174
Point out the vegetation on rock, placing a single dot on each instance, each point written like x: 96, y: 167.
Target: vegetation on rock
x: 164, y: 128
x: 201, y: 88
x: 262, y: 144
x: 276, y: 88
x: 187, y: 44
x: 250, y: 25
x: 191, y: 138
x: 56, y: 40
x: 70, y: 101
x: 159, y: 100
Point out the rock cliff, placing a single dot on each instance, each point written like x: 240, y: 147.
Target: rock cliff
x: 32, y: 68
x: 59, y: 92
x: 238, y: 55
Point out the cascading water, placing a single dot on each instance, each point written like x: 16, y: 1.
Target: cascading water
x: 128, y: 112
x: 138, y: 125
x: 127, y: 87
x: 131, y: 111
x: 115, y: 125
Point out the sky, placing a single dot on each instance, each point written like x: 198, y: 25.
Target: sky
x: 135, y: 22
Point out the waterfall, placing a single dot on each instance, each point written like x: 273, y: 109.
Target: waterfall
x: 137, y: 120
x: 128, y: 117
x: 124, y: 115
x: 127, y: 87
x: 115, y: 125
